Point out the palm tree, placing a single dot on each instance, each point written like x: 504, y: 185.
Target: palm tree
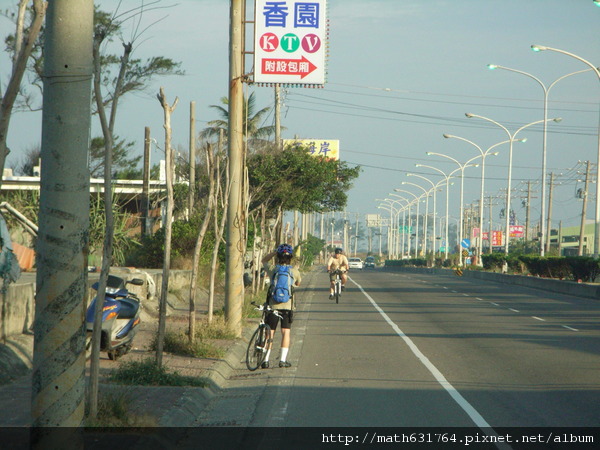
x: 253, y: 132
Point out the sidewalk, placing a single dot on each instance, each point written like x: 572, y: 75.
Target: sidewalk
x: 162, y: 406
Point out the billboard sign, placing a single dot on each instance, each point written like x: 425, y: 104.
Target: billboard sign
x: 328, y: 148
x: 497, y: 238
x: 517, y: 231
x: 290, y: 41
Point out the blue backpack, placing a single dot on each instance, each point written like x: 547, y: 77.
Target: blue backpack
x: 281, y: 284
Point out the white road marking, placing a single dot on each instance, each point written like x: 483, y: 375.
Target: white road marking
x: 495, y: 304
x: 569, y: 328
x: 538, y: 318
x: 456, y: 396
x: 514, y: 310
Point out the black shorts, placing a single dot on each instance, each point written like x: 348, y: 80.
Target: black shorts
x: 272, y: 320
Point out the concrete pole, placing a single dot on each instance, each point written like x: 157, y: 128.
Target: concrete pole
x: 549, y: 222
x: 146, y: 185
x: 192, y: 159
x: 234, y: 288
x: 278, y: 141
x: 583, y: 209
x: 528, y: 210
x: 58, y: 383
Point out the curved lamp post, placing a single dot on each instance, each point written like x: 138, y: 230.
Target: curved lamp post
x: 544, y: 141
x: 416, y: 200
x: 397, y: 245
x: 511, y: 138
x: 541, y: 48
x: 434, y: 187
x: 483, y: 154
x: 447, y: 179
x: 389, y: 206
x: 426, y: 193
x: 462, y: 168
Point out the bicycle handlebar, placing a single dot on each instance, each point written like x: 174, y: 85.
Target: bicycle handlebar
x: 266, y: 307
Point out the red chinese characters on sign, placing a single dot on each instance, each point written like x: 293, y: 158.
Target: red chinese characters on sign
x: 496, y: 238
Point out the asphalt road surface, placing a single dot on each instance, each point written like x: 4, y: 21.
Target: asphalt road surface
x: 408, y: 350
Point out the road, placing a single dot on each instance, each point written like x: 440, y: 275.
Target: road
x: 406, y: 350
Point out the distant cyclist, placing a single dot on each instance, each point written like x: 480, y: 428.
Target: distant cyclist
x: 284, y: 255
x: 337, y: 261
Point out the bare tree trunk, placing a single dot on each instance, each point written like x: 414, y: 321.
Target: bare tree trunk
x: 22, y: 54
x: 107, y: 250
x: 199, y: 240
x: 192, y: 186
x: 219, y: 227
x: 162, y: 314
x: 58, y: 378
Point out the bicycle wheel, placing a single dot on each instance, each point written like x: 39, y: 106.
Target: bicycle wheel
x: 256, y: 351
x: 338, y: 288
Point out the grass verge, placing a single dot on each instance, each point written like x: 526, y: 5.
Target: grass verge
x: 113, y: 411
x: 148, y: 373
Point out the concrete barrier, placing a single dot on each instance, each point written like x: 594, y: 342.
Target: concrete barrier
x: 587, y: 290
x: 16, y: 315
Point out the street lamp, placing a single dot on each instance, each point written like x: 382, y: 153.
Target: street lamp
x: 392, y: 235
x: 447, y: 178
x: 462, y: 168
x: 483, y: 156
x: 541, y: 48
x: 416, y: 200
x: 511, y: 138
x: 544, y: 140
x: 426, y: 193
x: 434, y: 187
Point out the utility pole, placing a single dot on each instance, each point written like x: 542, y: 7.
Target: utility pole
x: 490, y: 248
x: 584, y: 208
x: 278, y: 141
x: 192, y: 185
x: 549, y: 221
x: 58, y: 384
x: 234, y: 287
x: 146, y: 184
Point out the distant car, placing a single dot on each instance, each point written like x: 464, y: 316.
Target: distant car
x: 355, y: 263
x: 369, y: 262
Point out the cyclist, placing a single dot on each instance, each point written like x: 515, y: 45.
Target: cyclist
x: 337, y: 261
x: 284, y: 255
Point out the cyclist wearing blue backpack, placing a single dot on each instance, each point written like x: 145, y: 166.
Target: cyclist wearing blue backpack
x: 280, y: 298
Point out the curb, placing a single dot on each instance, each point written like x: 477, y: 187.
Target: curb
x: 194, y: 400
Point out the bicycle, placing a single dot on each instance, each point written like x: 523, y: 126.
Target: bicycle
x: 337, y: 285
x: 260, y: 340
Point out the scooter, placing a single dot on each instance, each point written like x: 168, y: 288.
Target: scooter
x: 120, y: 317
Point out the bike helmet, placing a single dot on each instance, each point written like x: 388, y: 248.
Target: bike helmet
x: 285, y: 249
x: 338, y: 251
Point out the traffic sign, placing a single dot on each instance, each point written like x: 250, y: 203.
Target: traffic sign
x: 465, y: 243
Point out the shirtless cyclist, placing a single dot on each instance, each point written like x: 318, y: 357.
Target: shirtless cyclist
x: 337, y: 261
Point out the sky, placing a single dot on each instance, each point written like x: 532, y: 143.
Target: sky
x: 400, y: 74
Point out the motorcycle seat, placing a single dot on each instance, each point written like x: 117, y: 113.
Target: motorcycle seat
x: 129, y: 308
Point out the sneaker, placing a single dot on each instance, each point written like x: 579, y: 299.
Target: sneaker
x: 343, y: 288
x: 331, y: 297
x: 284, y: 364
x: 265, y: 365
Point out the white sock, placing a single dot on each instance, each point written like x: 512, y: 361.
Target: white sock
x: 268, y: 354
x: 284, y: 352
